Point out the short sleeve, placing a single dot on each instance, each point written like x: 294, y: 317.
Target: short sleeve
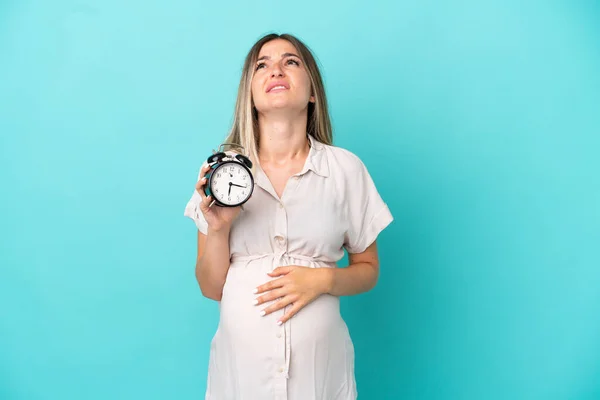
x: 192, y: 210
x: 367, y: 213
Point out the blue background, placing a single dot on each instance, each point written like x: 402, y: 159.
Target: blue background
x: 478, y: 122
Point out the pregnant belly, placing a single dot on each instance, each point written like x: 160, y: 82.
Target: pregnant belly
x: 240, y: 319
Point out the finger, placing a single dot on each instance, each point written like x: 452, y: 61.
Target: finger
x: 297, y: 306
x: 280, y: 271
x: 275, y: 283
x: 200, y: 189
x: 200, y: 186
x: 283, y: 302
x: 204, y: 169
x: 270, y: 296
x: 205, y: 203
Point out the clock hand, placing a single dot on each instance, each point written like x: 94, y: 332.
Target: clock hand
x: 233, y: 184
x: 229, y: 188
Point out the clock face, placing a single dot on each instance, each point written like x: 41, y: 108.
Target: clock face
x: 231, y: 183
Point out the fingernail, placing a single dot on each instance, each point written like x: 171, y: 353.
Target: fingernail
x: 255, y: 301
x: 279, y: 322
x: 255, y: 291
x: 262, y: 313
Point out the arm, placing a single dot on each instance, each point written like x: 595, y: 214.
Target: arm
x: 360, y: 276
x: 212, y: 262
x: 301, y: 285
x: 366, y: 216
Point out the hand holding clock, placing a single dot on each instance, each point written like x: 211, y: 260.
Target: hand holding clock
x: 218, y: 218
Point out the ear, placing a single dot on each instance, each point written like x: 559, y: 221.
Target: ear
x: 312, y: 99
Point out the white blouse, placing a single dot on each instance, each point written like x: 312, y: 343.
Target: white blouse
x: 330, y: 205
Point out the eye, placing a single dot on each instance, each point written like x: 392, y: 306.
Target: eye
x: 259, y: 65
x: 292, y: 61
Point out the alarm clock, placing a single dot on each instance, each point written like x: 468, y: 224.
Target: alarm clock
x: 229, y: 180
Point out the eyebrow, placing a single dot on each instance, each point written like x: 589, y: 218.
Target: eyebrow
x: 283, y: 55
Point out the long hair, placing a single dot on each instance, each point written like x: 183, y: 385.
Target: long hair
x: 244, y: 130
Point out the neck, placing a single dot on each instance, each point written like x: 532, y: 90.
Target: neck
x: 282, y: 138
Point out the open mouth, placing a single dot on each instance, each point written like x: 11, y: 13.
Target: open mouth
x: 277, y: 86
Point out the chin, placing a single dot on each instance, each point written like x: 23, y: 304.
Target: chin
x: 283, y: 106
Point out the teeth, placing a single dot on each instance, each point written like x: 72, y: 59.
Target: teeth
x: 278, y: 87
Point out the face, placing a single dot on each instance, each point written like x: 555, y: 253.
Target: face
x: 280, y: 79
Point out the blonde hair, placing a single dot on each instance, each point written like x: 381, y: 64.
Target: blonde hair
x: 244, y: 130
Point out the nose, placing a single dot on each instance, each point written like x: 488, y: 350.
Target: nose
x: 276, y: 70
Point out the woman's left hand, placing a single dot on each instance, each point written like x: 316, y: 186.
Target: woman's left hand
x: 296, y: 285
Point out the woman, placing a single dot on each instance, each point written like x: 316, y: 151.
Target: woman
x: 272, y: 265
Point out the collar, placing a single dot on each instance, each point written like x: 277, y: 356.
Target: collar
x: 316, y: 162
x: 317, y: 158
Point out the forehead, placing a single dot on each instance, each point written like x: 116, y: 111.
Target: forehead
x: 277, y: 47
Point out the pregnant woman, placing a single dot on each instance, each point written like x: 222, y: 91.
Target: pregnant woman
x: 271, y: 263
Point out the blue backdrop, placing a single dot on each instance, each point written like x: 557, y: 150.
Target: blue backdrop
x: 478, y: 122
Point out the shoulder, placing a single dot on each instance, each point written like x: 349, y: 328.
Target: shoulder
x: 343, y: 160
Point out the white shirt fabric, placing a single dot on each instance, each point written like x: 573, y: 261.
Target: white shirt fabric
x: 330, y: 205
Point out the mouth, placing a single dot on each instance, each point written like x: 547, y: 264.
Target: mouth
x: 277, y: 87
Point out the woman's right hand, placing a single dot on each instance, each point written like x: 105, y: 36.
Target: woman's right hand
x: 218, y: 218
